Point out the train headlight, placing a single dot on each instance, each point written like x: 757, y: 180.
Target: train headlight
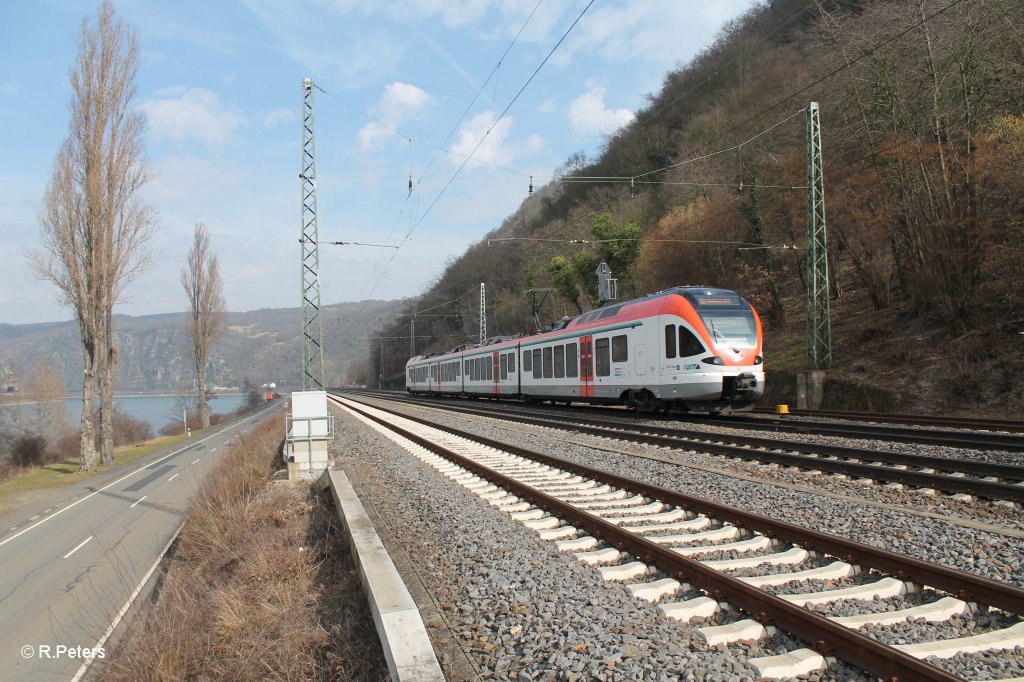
x: 758, y: 360
x: 713, y: 360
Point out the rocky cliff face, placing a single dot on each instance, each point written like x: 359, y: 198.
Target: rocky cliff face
x: 261, y: 346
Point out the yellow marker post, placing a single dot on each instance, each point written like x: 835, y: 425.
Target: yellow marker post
x: 782, y: 409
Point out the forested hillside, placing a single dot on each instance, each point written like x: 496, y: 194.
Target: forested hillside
x: 261, y: 346
x: 923, y: 137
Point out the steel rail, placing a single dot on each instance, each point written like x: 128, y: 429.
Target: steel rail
x: 825, y: 636
x: 974, y: 423
x: 973, y: 440
x: 1005, y: 471
x: 962, y: 439
x: 744, y: 448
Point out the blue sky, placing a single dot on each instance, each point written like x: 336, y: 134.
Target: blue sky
x: 221, y: 85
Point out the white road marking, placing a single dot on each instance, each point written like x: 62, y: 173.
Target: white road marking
x: 131, y: 473
x: 213, y: 450
x: 173, y: 477
x: 128, y: 604
x: 34, y: 517
x: 196, y: 460
x: 138, y: 500
x: 78, y: 547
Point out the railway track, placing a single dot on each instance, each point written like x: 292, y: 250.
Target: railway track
x: 969, y: 423
x: 922, y: 435
x: 964, y: 477
x: 715, y: 558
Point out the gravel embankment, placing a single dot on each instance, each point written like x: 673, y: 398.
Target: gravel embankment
x: 525, y: 611
x: 990, y: 554
x: 521, y: 609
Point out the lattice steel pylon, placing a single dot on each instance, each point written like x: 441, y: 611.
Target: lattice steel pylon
x: 483, y: 312
x: 312, y: 327
x: 819, y: 323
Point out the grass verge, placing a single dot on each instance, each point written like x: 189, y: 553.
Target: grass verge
x: 25, y: 486
x: 260, y: 586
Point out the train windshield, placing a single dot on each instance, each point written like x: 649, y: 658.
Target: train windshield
x: 729, y: 319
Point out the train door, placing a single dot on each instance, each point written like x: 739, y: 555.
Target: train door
x: 586, y: 366
x: 640, y: 360
x: 497, y: 373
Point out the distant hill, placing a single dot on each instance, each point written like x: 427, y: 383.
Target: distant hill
x: 259, y: 345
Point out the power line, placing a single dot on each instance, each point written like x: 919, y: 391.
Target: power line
x: 441, y: 148
x: 723, y: 151
x: 477, y: 147
x: 849, y: 63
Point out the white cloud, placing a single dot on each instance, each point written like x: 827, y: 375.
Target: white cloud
x: 181, y: 114
x: 398, y: 103
x: 652, y: 31
x: 588, y: 114
x: 276, y: 117
x: 494, y: 148
x: 401, y: 101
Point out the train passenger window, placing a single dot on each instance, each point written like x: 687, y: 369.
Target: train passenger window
x: 458, y: 366
x: 559, y: 362
x: 536, y: 363
x: 620, y: 349
x: 571, y: 366
x: 511, y: 363
x: 689, y: 344
x: 472, y: 370
x: 504, y: 367
x: 548, y: 365
x: 603, y: 357
x: 670, y: 341
x: 527, y: 364
x: 466, y: 368
x: 489, y: 367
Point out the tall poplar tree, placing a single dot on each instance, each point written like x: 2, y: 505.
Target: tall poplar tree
x: 205, y: 322
x: 93, y: 224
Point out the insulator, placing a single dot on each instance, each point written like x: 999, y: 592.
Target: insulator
x: 632, y: 188
x: 531, y: 184
x: 410, y: 183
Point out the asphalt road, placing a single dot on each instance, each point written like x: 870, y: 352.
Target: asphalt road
x: 71, y: 562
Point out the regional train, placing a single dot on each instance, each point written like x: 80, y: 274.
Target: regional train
x: 686, y: 349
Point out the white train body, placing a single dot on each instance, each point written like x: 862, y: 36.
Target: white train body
x: 688, y: 348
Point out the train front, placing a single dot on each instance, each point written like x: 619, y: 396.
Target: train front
x: 726, y: 373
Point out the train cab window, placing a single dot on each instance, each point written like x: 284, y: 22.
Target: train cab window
x: 688, y: 343
x: 571, y: 366
x: 536, y: 363
x: 559, y: 362
x: 548, y: 365
x: 602, y: 356
x: 527, y: 364
x: 620, y: 348
x: 511, y: 363
x: 670, y: 341
x: 504, y: 367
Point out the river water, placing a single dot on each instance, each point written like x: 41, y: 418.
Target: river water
x: 157, y: 410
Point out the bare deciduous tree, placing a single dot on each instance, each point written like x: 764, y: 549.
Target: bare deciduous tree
x: 201, y: 279
x: 93, y: 224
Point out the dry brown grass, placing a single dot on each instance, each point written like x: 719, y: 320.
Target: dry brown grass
x: 251, y: 588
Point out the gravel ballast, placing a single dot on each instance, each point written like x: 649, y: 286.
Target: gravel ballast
x: 525, y: 611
